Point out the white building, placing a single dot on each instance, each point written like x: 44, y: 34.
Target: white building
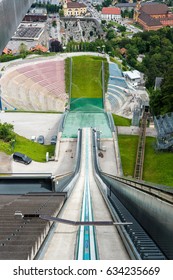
x: 134, y: 77
x: 111, y: 13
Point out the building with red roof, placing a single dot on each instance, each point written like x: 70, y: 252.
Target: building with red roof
x: 153, y: 16
x: 39, y: 48
x: 111, y: 13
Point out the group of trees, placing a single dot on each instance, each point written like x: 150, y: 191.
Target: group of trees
x: 51, y: 8
x: 6, y: 132
x: 127, y: 14
x: 157, y: 48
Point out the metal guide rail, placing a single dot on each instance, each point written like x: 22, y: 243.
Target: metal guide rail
x: 162, y: 192
x: 86, y: 245
x: 138, y: 243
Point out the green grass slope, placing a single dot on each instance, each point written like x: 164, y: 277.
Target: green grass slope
x: 86, y: 76
x: 157, y: 165
x: 34, y: 150
x: 121, y: 121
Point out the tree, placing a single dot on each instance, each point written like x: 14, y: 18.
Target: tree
x: 106, y: 3
x: 155, y: 101
x: 54, y: 24
x: 121, y: 28
x: 167, y: 91
x: 110, y: 34
x: 61, y: 13
x: 22, y: 49
x: 6, y: 132
x: 55, y: 46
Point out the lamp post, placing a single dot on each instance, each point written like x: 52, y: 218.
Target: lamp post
x: 98, y: 49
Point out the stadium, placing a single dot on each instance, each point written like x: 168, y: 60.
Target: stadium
x: 88, y: 195
x: 87, y: 189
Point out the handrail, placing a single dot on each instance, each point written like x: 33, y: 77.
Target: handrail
x: 103, y: 189
x: 143, y: 185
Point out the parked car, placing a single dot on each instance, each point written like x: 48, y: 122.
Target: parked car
x: 40, y: 139
x: 21, y: 158
x: 33, y: 138
x: 53, y: 140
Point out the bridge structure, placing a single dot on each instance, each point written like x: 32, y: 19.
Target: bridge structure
x: 11, y: 14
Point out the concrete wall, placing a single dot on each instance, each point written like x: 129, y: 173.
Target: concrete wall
x: 156, y: 216
x: 11, y: 14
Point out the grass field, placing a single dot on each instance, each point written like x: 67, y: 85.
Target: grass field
x: 128, y: 147
x: 34, y: 150
x: 157, y: 165
x: 86, y: 77
x: 120, y: 121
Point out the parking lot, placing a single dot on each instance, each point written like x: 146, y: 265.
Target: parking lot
x: 33, y: 124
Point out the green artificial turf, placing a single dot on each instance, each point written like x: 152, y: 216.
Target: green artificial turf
x: 86, y: 77
x: 121, y: 121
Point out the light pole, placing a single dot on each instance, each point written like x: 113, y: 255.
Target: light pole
x: 98, y: 49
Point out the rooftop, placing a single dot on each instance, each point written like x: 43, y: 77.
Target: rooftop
x: 149, y: 20
x: 28, y: 31
x: 39, y: 48
x: 132, y: 74
x: 154, y: 8
x: 73, y: 5
x: 111, y: 11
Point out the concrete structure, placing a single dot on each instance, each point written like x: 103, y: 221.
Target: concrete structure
x: 11, y: 14
x: 111, y: 13
x: 109, y: 244
x: 29, y: 34
x: 36, y: 14
x: 39, y: 86
x: 28, y: 31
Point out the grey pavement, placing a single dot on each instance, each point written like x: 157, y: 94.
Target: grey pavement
x: 134, y: 130
x: 107, y: 159
x: 33, y: 124
x: 5, y: 163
